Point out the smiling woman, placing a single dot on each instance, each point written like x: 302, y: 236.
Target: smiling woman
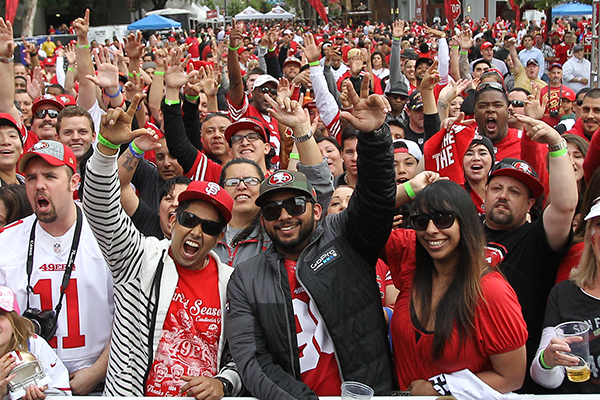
x: 461, y: 312
x: 11, y: 148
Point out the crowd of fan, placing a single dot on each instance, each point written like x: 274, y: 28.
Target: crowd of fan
x: 173, y: 208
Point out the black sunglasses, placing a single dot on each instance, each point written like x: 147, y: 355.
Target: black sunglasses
x: 189, y: 220
x: 579, y: 102
x: 491, y: 85
x: 293, y: 206
x: 269, y: 90
x: 42, y: 113
x: 517, y: 103
x: 252, y: 137
x: 442, y: 220
x: 249, y: 181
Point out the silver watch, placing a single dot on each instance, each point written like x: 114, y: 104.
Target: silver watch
x: 303, y: 138
x: 557, y: 147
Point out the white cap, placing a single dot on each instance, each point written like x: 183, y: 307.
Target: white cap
x: 413, y: 148
x: 262, y: 79
x: 595, y: 211
x: 288, y: 32
x: 8, y: 302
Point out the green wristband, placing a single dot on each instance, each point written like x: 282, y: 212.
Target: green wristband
x: 397, y: 38
x: 271, y: 50
x: 544, y: 365
x: 314, y: 64
x: 294, y: 156
x: 71, y: 69
x: 131, y: 75
x: 106, y: 143
x: 159, y: 73
x: 83, y: 46
x: 136, y: 149
x: 409, y: 190
x: 234, y: 48
x: 171, y: 102
x: 192, y: 98
x: 455, y: 47
x: 558, y: 153
x: 464, y: 53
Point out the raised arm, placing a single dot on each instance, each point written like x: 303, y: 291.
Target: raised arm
x: 87, y: 89
x: 108, y: 78
x: 466, y: 42
x: 236, y: 84
x: 514, y: 56
x: 157, y: 89
x: 558, y: 216
x: 7, y: 73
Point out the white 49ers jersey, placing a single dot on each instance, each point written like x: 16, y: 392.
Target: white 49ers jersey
x: 84, y: 324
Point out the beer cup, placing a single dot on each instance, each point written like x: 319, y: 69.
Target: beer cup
x: 356, y: 391
x: 580, y: 349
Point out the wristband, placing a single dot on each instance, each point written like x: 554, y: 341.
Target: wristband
x: 455, y: 47
x: 7, y: 60
x: 397, y: 38
x: 234, y: 48
x: 115, y: 95
x: 131, y: 75
x: 171, y: 102
x: 136, y: 151
x: 122, y: 102
x: 192, y: 98
x: 83, y: 46
x: 106, y: 143
x: 161, y: 73
x: 464, y: 53
x: 71, y: 69
x: 294, y: 156
x: 314, y: 64
x: 409, y: 190
x: 272, y: 50
x: 544, y: 365
x: 558, y: 153
x: 34, y: 54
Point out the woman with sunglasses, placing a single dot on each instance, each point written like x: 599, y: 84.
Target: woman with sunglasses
x: 454, y: 312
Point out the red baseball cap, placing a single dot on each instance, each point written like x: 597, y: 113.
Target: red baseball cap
x: 557, y: 65
x: 211, y: 193
x: 46, y: 99
x: 486, y: 45
x: 246, y: 123
x: 66, y: 100
x: 241, y: 50
x: 55, y: 153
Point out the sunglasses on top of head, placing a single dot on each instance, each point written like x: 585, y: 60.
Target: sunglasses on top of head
x: 293, y: 206
x: 442, y: 220
x: 189, y: 220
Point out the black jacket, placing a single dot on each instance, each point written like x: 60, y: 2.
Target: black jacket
x: 337, y: 270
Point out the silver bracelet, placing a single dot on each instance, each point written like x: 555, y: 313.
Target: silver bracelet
x: 7, y: 60
x: 560, y: 146
x: 303, y: 138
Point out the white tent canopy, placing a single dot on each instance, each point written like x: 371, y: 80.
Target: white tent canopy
x: 279, y: 13
x: 249, y: 13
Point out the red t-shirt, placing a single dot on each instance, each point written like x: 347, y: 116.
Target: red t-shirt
x: 384, y: 278
x: 318, y: 366
x: 189, y: 343
x: 554, y: 103
x: 498, y: 328
x: 569, y: 262
x: 204, y: 169
x: 561, y: 52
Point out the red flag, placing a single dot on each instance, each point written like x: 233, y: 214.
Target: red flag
x: 517, y: 11
x: 319, y: 7
x: 11, y: 10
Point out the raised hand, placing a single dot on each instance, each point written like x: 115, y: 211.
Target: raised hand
x: 82, y: 25
x: 539, y: 131
x: 208, y: 83
x: 311, y: 51
x: 237, y: 34
x: 398, y: 28
x: 133, y: 45
x: 175, y: 75
x: 35, y: 83
x: 30, y: 47
x: 6, y: 39
x: 133, y: 86
x: 71, y: 54
x: 466, y: 39
x: 160, y: 58
x: 284, y: 88
x: 369, y: 110
x: 116, y: 124
x: 535, y: 108
x: 108, y: 73
x: 431, y: 78
x: 288, y: 112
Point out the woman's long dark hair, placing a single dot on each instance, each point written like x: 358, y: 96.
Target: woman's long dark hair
x: 459, y: 302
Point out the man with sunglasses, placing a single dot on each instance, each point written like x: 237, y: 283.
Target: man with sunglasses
x: 305, y: 314
x: 169, y: 294
x: 237, y: 100
x: 45, y: 111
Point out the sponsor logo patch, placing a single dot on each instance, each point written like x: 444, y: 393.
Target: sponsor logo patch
x: 324, y: 259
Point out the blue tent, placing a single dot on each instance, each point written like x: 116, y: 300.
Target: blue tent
x: 572, y: 9
x: 153, y: 22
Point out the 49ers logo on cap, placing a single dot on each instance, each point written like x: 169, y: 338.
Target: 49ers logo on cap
x: 212, y: 188
x: 280, y: 178
x: 523, y: 167
x: 40, y: 145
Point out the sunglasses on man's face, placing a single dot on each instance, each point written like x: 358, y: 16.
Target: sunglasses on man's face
x: 442, y: 220
x: 269, y: 90
x: 517, y: 103
x: 293, y: 206
x: 42, y: 113
x: 579, y: 102
x: 189, y: 220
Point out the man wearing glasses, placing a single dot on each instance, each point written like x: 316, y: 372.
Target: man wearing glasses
x: 169, y: 294
x: 247, y: 139
x: 305, y: 314
x: 45, y: 111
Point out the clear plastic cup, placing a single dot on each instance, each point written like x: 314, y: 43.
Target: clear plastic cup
x: 580, y: 350
x: 356, y: 391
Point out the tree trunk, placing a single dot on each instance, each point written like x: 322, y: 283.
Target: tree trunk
x: 28, y: 18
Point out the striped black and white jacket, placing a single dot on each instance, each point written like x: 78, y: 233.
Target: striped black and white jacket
x: 142, y: 298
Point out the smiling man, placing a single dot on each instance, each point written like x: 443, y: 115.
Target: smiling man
x: 247, y: 139
x: 161, y: 284
x: 75, y: 129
